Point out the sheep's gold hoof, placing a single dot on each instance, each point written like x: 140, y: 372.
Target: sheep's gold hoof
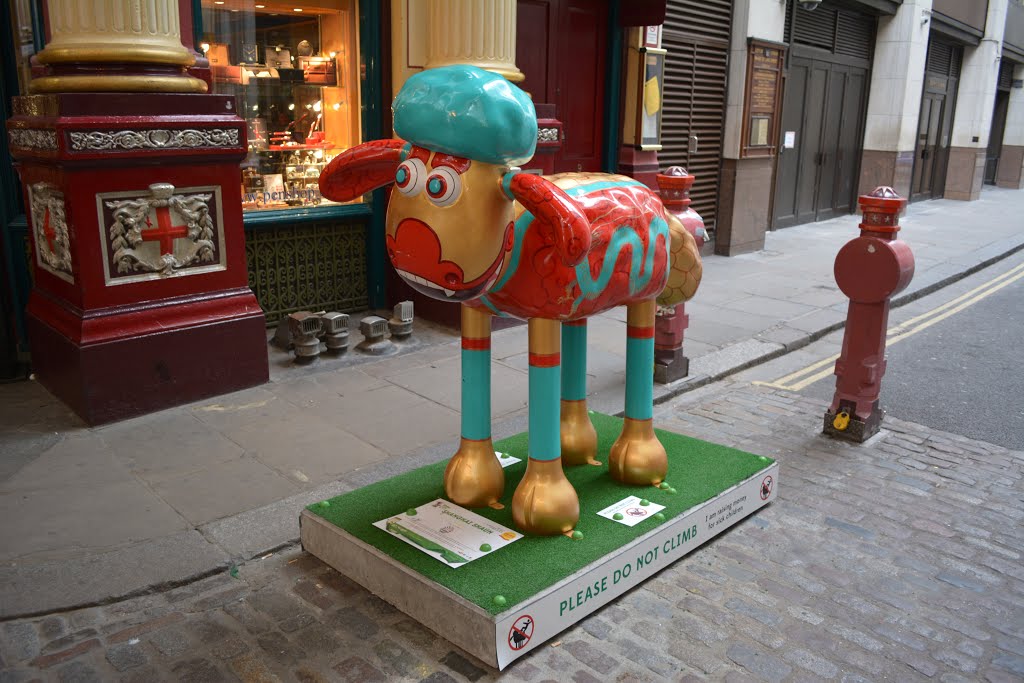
x: 545, y: 503
x: 579, y: 438
x: 637, y: 457
x: 474, y: 477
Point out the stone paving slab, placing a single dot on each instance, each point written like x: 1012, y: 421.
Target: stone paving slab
x: 898, y: 560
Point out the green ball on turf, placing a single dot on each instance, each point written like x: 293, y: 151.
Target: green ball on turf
x: 577, y: 535
x: 485, y: 548
x: 645, y: 502
x: 500, y: 600
x: 660, y: 517
x: 671, y: 490
x: 665, y: 486
x: 617, y: 515
x: 411, y: 512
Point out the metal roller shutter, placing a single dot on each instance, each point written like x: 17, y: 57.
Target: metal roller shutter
x: 696, y: 35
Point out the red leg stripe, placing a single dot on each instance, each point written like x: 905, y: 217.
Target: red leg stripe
x: 582, y: 322
x: 545, y: 360
x: 635, y: 332
x: 482, y: 344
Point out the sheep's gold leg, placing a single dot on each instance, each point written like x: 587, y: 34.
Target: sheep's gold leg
x: 579, y: 439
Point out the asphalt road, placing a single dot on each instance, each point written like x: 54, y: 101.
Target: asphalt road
x: 964, y: 374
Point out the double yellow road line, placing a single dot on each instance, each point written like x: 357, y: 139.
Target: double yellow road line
x: 826, y: 367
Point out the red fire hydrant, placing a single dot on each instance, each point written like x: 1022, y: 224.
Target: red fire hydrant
x: 869, y: 269
x: 669, y: 362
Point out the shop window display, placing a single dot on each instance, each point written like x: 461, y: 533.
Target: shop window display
x: 293, y: 70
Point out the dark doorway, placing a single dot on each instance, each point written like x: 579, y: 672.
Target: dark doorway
x: 823, y: 112
x: 935, y: 121
x: 824, y: 108
x: 995, y: 136
x: 552, y: 36
x: 998, y: 128
x: 928, y: 153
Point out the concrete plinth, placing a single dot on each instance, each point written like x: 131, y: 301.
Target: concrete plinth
x: 505, y: 603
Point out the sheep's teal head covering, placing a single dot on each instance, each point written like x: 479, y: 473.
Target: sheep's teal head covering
x: 467, y: 112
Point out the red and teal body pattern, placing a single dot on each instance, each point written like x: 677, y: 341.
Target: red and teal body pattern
x: 627, y: 262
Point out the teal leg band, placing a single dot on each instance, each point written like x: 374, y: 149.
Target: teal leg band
x: 476, y: 394
x: 544, y: 441
x: 574, y: 362
x: 639, y: 374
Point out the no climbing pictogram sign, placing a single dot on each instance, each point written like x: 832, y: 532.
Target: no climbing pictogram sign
x: 767, y: 484
x: 521, y: 632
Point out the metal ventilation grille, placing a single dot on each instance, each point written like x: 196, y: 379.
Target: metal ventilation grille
x: 311, y: 266
x: 696, y: 35
x: 855, y: 36
x: 944, y: 58
x: 710, y: 19
x: 837, y: 31
x: 816, y: 29
x: 940, y: 56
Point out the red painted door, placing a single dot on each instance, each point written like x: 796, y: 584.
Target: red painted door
x: 560, y: 47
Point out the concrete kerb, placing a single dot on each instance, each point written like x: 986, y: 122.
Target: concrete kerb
x: 223, y: 536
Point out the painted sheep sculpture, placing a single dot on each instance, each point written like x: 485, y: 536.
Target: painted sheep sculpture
x: 464, y: 224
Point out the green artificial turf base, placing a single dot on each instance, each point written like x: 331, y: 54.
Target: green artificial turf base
x: 697, y: 470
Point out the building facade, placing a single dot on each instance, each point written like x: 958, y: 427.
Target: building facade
x: 921, y: 95
x: 784, y: 112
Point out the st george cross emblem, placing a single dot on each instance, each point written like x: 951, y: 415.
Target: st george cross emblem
x: 161, y: 232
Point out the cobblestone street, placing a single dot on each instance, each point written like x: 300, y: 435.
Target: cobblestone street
x: 899, y: 560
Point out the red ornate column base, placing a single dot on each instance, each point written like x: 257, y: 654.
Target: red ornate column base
x: 140, y: 299
x: 131, y: 375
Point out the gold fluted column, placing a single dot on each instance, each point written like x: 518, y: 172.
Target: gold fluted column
x: 477, y: 32
x: 116, y: 46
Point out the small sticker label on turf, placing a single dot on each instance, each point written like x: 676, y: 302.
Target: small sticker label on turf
x: 631, y: 511
x: 506, y: 459
x: 447, y: 532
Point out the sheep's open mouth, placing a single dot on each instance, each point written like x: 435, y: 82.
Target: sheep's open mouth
x: 436, y: 291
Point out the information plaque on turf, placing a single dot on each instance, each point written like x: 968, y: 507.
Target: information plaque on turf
x: 447, y: 532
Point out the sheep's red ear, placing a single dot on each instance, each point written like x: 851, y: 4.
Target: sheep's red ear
x: 555, y: 210
x: 361, y: 169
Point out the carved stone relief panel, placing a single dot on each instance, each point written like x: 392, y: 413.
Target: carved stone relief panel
x: 161, y: 232
x: 50, y: 228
